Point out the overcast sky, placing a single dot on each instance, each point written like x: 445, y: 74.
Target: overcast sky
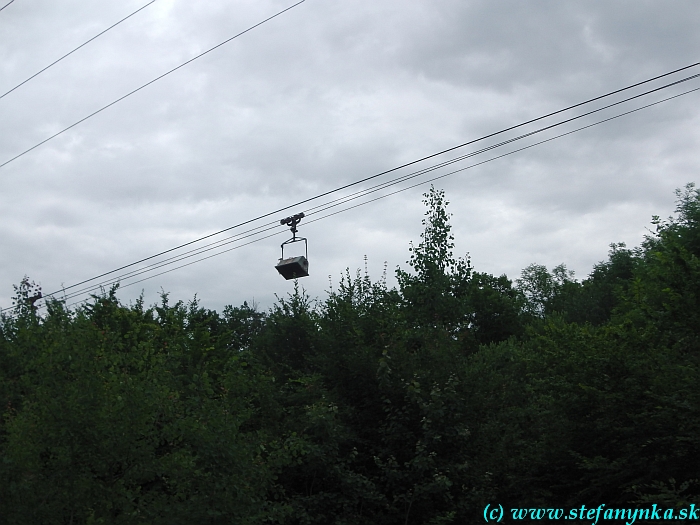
x: 330, y: 92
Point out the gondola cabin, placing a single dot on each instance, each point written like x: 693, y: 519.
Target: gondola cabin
x: 293, y: 267
x: 298, y: 266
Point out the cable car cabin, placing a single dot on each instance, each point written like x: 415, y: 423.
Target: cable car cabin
x: 294, y: 267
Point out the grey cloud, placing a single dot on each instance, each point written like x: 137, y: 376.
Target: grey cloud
x: 326, y: 94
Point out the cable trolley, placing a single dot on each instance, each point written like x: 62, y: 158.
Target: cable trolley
x: 294, y: 267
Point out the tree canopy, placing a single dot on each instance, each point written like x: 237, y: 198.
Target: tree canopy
x: 414, y: 405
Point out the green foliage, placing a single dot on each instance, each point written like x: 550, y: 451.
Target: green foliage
x: 543, y: 290
x: 432, y: 293
x: 125, y: 415
x: 444, y: 299
x: 416, y: 405
x: 591, y: 301
x: 664, y: 297
x: 495, y: 308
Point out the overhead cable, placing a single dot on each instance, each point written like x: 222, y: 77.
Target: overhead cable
x: 341, y: 201
x: 146, y: 84
x: 431, y: 168
x: 498, y: 156
x: 167, y: 262
x: 397, y: 191
x: 74, y: 50
x: 8, y: 3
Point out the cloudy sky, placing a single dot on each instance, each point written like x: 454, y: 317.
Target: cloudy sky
x: 330, y: 92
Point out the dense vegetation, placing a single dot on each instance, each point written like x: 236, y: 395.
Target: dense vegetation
x: 416, y: 405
